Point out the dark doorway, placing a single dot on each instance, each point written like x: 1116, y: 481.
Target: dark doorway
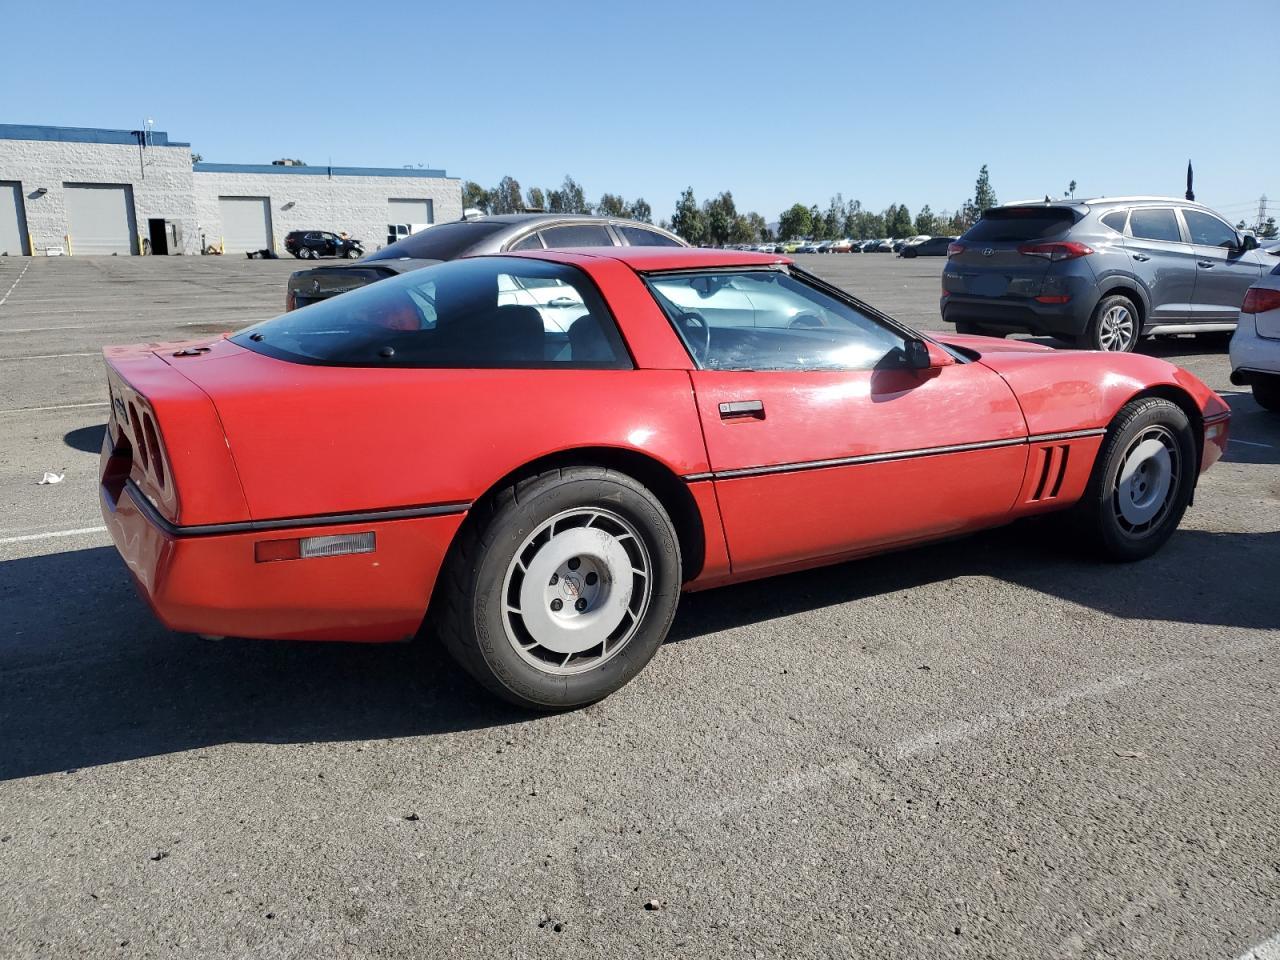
x: 159, y: 238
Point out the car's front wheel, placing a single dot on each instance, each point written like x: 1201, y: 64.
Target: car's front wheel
x: 353, y: 254
x: 1142, y: 481
x: 561, y: 587
x: 1266, y: 391
x: 1114, y: 326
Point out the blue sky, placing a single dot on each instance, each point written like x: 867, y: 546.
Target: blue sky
x: 778, y: 102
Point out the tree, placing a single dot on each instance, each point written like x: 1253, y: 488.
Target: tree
x: 926, y: 222
x: 612, y: 205
x: 757, y: 228
x: 984, y: 197
x: 852, y: 218
x: 1269, y: 230
x: 721, y: 215
x: 795, y: 222
x: 1071, y: 190
x: 474, y: 195
x: 569, y: 198
x: 688, y: 221
x: 899, y: 224
x: 640, y: 210
x: 196, y: 158
x: 537, y: 200
x: 506, y: 197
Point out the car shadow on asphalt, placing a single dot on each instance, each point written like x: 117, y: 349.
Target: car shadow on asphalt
x: 88, y: 677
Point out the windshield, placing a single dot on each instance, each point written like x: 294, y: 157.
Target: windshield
x: 444, y: 241
x: 1017, y: 224
x: 474, y: 313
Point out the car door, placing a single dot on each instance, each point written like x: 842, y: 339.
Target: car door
x: 822, y: 442
x: 1163, y: 262
x: 1224, y: 270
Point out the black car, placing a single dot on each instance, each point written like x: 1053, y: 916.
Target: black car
x: 313, y: 244
x: 933, y: 247
x: 460, y: 238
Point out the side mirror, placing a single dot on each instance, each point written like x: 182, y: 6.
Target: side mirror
x: 1248, y: 242
x: 922, y: 355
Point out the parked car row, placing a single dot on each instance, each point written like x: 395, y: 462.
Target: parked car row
x: 1100, y: 273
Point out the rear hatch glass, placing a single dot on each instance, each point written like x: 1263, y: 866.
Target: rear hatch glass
x: 444, y: 241
x: 308, y: 286
x: 990, y: 264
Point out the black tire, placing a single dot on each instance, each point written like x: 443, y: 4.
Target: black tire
x: 1107, y: 331
x: 480, y: 628
x: 1266, y: 391
x: 1100, y: 517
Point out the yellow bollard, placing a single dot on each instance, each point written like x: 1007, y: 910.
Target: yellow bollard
x: 68, y: 239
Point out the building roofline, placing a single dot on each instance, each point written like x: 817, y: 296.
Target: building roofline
x: 271, y: 168
x: 33, y: 131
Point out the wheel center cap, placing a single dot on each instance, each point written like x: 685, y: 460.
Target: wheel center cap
x: 572, y: 586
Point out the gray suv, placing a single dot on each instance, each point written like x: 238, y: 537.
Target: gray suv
x: 1099, y: 273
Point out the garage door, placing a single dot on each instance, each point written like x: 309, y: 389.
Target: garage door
x: 100, y: 218
x: 13, y: 227
x: 411, y: 211
x: 246, y: 223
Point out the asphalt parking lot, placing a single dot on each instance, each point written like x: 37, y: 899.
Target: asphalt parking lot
x: 988, y: 747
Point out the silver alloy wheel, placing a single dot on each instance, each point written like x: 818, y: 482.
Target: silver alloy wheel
x: 576, y: 591
x: 1117, y: 328
x: 1147, y: 480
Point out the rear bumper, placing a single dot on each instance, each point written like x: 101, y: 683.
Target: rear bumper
x: 1019, y: 315
x: 210, y: 582
x: 1252, y: 356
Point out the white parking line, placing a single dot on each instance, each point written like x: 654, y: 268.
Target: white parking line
x: 58, y: 406
x: 1250, y: 443
x: 52, y: 356
x: 1267, y: 950
x: 49, y: 535
x: 14, y: 284
x: 857, y: 768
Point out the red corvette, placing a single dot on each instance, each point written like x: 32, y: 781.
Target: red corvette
x: 533, y: 455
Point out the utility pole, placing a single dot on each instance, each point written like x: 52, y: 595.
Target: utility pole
x: 1262, y: 213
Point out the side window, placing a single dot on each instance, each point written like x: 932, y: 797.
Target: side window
x: 577, y: 235
x: 1154, y: 223
x: 1115, y: 220
x: 1208, y: 230
x: 531, y: 242
x: 769, y: 320
x: 639, y: 237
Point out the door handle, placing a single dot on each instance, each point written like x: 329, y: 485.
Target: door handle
x: 1207, y: 264
x: 742, y: 410
x: 1141, y: 256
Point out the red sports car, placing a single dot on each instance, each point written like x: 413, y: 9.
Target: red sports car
x: 532, y: 455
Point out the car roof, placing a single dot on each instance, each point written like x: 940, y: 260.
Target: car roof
x: 654, y: 259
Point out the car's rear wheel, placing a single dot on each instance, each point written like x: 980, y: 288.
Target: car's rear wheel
x: 561, y: 587
x: 1266, y: 391
x: 1142, y: 481
x: 1114, y: 326
x: 353, y: 254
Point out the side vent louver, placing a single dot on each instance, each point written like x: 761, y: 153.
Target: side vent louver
x: 1053, y: 468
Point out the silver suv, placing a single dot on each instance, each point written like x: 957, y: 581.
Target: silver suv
x: 1099, y: 273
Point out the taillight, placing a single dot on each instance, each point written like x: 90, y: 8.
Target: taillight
x: 955, y: 249
x: 1260, y: 300
x: 290, y: 301
x: 1058, y: 250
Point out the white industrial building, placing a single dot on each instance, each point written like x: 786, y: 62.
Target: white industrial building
x: 83, y: 190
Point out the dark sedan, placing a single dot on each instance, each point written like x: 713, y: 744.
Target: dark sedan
x: 477, y: 235
x: 933, y: 247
